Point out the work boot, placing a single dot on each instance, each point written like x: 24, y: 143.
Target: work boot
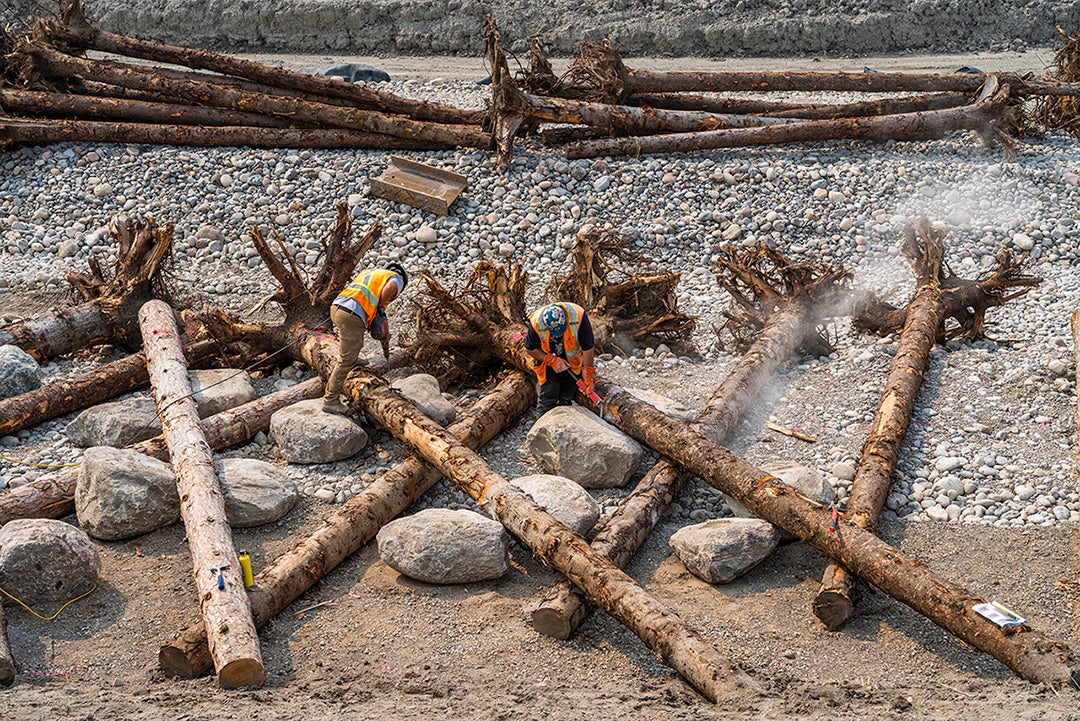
x: 336, y: 407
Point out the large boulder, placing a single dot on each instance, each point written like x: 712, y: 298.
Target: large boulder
x: 567, y: 501
x: 19, y: 372
x: 255, y: 492
x: 122, y: 423
x: 665, y: 405
x: 422, y: 390
x: 721, y: 550
x: 305, y: 433
x: 46, y: 561
x: 438, y: 545
x: 805, y: 480
x: 115, y: 424
x: 123, y: 494
x: 571, y: 442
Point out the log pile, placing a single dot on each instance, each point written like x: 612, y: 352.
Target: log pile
x: 50, y: 92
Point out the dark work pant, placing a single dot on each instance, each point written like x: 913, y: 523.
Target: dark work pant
x: 559, y: 389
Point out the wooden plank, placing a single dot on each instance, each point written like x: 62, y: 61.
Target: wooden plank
x: 421, y: 186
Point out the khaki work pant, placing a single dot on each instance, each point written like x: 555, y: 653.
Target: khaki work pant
x: 350, y: 332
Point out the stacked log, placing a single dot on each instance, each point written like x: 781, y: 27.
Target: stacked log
x: 228, y: 102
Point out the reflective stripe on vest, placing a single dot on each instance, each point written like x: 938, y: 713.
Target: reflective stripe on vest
x: 574, y: 314
x: 365, y: 290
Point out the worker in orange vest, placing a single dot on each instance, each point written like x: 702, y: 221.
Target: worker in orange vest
x: 560, y: 342
x: 358, y: 308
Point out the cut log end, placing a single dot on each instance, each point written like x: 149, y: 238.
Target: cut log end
x: 175, y: 663
x: 833, y: 608
x: 551, y: 620
x: 242, y: 673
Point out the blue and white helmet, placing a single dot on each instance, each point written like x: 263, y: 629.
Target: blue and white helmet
x: 554, y: 319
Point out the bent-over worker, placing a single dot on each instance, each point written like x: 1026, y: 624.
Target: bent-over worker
x: 359, y: 307
x: 560, y: 342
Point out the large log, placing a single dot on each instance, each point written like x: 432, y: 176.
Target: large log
x: 85, y: 389
x: 807, y: 111
x: 234, y: 644
x: 1030, y: 654
x: 351, y: 526
x: 979, y: 116
x: 54, y: 496
x: 924, y: 249
x: 7, y: 661
x: 76, y: 30
x: 44, y: 132
x: 54, y: 64
x: 647, y: 81
x: 1075, y: 323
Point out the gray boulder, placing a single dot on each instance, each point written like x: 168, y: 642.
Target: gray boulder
x: 123, y: 494
x: 255, y: 492
x: 567, y: 501
x: 422, y: 390
x: 665, y: 405
x: 438, y: 545
x: 115, y: 424
x: 219, y: 389
x: 306, y: 434
x: 571, y: 442
x: 355, y: 72
x: 721, y: 550
x: 46, y: 561
x: 805, y: 480
x: 19, y: 372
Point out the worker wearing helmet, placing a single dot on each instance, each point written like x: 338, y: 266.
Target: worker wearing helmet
x: 359, y: 307
x: 560, y: 342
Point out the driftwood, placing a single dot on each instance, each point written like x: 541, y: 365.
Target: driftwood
x: 1074, y: 322
x: 54, y: 496
x: 86, y: 389
x: 1031, y: 655
x: 806, y: 111
x: 982, y: 116
x: 1062, y: 112
x: 234, y: 644
x: 791, y: 310
x: 54, y: 64
x: 111, y: 315
x: 924, y: 248
x: 351, y: 526
x: 7, y: 661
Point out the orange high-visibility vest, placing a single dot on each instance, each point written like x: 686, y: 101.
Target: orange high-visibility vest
x: 362, y: 295
x: 574, y: 314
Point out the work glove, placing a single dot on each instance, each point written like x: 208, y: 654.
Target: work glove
x: 556, y: 363
x: 588, y: 374
x: 385, y: 340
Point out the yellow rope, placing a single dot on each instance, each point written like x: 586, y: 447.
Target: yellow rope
x: 39, y: 465
x: 52, y: 617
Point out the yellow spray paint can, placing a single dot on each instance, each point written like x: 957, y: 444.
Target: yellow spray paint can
x: 245, y: 567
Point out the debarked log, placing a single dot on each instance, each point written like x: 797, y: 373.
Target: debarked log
x: 924, y: 248
x: 234, y: 644
x: 84, y: 390
x: 904, y: 126
x: 43, y: 132
x: 54, y: 496
x: 52, y: 63
x: 351, y: 526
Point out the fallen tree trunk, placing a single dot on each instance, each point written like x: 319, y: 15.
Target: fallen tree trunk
x: 7, y: 661
x: 44, y: 132
x: 806, y: 111
x: 1075, y: 323
x: 924, y: 249
x: 84, y: 390
x: 28, y: 102
x: 64, y: 331
x: 351, y: 526
x: 234, y: 644
x: 980, y: 116
x: 78, y: 32
x: 54, y: 496
x: 52, y: 63
x: 1031, y: 655
x: 647, y: 81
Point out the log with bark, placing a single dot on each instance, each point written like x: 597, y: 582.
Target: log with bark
x: 7, y: 661
x: 1030, y: 654
x: 53, y: 496
x: 351, y: 526
x: 1074, y: 322
x: 806, y: 111
x: 234, y: 644
x: 110, y: 313
x: 924, y: 248
x: 77, y: 32
x: 51, y: 63
x: 794, y: 304
x: 983, y: 117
